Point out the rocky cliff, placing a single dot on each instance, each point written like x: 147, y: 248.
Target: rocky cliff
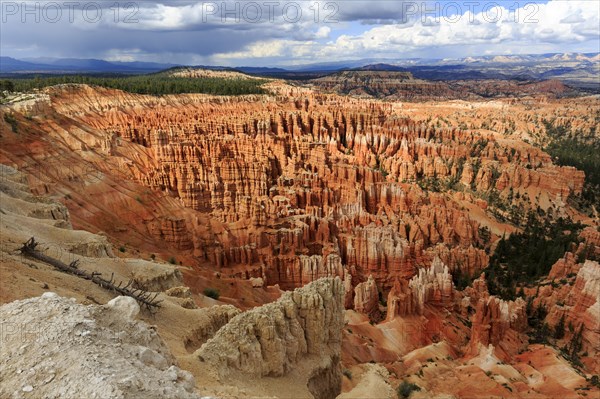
x: 496, y: 323
x: 431, y: 286
x: 273, y: 339
x: 247, y: 195
x: 366, y: 298
x: 499, y: 323
x: 575, y: 300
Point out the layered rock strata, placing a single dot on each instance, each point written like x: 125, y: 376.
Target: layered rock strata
x: 272, y: 339
x: 289, y: 187
x: 431, y: 286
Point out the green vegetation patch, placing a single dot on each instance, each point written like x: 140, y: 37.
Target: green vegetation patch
x: 154, y: 84
x: 570, y: 148
x: 212, y: 293
x: 524, y: 257
x: 405, y: 389
x: 10, y: 119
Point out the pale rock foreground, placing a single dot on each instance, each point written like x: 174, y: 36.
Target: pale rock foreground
x: 301, y: 330
x: 52, y: 347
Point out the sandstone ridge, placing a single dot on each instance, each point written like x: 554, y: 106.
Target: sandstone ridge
x: 272, y: 339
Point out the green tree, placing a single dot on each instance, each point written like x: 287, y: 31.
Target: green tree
x: 7, y: 85
x: 559, y: 328
x: 405, y: 389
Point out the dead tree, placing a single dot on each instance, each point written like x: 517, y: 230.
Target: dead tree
x: 144, y: 298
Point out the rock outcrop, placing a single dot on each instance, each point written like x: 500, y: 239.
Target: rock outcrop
x: 585, y: 301
x: 53, y: 347
x: 247, y: 195
x: 576, y: 300
x: 273, y: 339
x: 494, y: 319
x: 366, y: 298
x: 401, y: 301
x: 496, y: 322
x: 431, y: 286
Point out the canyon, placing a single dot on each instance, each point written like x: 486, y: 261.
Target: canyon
x: 403, y: 86
x: 333, y: 228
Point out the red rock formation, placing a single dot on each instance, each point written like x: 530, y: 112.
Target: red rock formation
x: 575, y: 298
x: 495, y: 322
x: 288, y: 188
x: 431, y: 286
x: 584, y: 300
x: 564, y: 267
x: 400, y: 301
x: 291, y: 187
x: 366, y: 298
x: 477, y: 290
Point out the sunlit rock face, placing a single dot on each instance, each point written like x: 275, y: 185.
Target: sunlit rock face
x: 289, y: 187
x: 431, y: 286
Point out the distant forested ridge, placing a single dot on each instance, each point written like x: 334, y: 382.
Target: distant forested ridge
x: 155, y: 84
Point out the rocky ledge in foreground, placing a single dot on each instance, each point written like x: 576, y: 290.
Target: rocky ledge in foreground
x: 53, y: 347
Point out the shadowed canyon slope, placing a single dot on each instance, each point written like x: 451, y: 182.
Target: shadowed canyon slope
x: 251, y: 195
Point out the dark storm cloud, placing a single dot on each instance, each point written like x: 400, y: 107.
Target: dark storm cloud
x: 153, y: 29
x: 196, y: 32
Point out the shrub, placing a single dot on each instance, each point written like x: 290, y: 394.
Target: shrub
x: 347, y: 373
x: 405, y: 389
x: 212, y: 293
x: 122, y: 248
x: 6, y: 85
x: 559, y: 328
x: 172, y: 260
x: 485, y: 235
x: 10, y: 119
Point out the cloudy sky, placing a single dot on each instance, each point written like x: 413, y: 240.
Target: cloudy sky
x: 284, y: 33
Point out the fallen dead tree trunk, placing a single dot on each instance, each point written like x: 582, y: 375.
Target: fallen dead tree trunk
x: 142, y: 297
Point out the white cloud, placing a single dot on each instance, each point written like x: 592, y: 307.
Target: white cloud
x: 193, y: 31
x: 497, y: 28
x: 323, y: 32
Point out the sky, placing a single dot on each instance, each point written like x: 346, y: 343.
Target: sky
x: 287, y: 33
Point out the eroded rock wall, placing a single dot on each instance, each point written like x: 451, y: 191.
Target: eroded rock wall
x: 272, y: 339
x: 289, y: 187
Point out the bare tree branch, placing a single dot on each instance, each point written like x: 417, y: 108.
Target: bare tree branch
x: 144, y: 298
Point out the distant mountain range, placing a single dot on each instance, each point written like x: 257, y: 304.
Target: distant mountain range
x: 77, y: 65
x: 578, y: 69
